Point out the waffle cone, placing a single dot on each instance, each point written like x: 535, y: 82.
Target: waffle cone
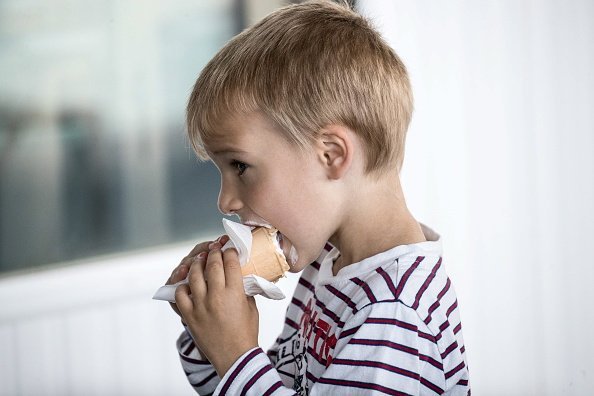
x: 265, y: 260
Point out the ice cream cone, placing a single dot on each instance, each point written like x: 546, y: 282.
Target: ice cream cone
x: 265, y: 260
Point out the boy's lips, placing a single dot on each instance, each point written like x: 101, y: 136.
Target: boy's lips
x: 256, y: 224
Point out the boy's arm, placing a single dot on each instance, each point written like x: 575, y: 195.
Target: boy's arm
x: 203, y: 377
x: 388, y: 348
x: 200, y: 373
x: 380, y: 350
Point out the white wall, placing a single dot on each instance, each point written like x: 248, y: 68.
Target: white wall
x: 501, y: 162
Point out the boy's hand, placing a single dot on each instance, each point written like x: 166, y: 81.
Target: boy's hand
x: 181, y: 271
x: 223, y: 320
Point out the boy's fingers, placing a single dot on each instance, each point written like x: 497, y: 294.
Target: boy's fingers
x: 223, y: 239
x: 213, y: 271
x: 183, y: 299
x: 201, y: 247
x: 197, y: 281
x: 233, y: 277
x: 180, y: 273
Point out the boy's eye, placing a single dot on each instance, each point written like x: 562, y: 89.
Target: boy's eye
x: 240, y: 166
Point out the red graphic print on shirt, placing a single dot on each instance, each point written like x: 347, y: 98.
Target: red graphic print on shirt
x: 314, y: 327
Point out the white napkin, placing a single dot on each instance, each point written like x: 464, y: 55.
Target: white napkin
x: 240, y: 237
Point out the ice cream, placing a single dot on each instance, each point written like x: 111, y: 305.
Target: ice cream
x: 267, y: 259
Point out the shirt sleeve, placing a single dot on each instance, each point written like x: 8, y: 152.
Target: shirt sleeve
x: 252, y: 374
x: 200, y: 372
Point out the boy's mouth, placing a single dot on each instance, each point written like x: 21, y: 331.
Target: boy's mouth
x: 288, y: 249
x: 284, y: 244
x: 256, y: 224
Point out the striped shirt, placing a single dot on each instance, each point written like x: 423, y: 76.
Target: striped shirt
x: 389, y: 324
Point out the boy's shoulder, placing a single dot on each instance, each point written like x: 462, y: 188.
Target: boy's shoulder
x: 415, y: 280
x: 411, y: 275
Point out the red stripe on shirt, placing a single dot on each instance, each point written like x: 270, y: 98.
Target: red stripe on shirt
x: 374, y: 364
x: 426, y: 284
x: 431, y: 361
x: 452, y: 308
x: 255, y: 378
x: 393, y: 322
x: 407, y: 275
x: 194, y: 361
x: 365, y: 288
x: 346, y: 333
x: 238, y: 369
x: 402, y: 325
x: 190, y: 348
x: 291, y: 323
x: 436, y: 304
x: 274, y: 387
x: 453, y: 371
x: 343, y: 297
x: 388, y: 280
x: 449, y: 349
x: 306, y: 284
x: 329, y: 313
x: 298, y: 303
x: 428, y: 384
x: 204, y: 381
x: 388, y: 344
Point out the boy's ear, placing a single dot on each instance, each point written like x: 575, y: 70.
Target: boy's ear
x: 335, y: 150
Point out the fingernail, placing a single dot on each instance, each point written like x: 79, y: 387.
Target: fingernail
x: 202, y: 255
x: 214, y: 245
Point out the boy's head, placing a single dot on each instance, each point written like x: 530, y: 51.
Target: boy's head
x: 305, y: 67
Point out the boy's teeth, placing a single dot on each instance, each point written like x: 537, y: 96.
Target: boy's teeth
x: 254, y: 224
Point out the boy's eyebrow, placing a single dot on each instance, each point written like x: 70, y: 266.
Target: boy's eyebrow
x: 228, y: 151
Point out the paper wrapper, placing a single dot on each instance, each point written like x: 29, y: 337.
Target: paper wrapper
x: 262, y: 261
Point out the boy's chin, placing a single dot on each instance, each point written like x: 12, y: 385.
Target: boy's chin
x: 297, y: 260
x: 303, y: 260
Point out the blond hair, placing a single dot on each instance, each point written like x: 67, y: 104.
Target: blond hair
x: 306, y: 66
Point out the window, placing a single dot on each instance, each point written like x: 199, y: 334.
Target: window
x: 93, y: 153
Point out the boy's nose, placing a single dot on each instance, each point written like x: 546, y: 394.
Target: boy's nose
x: 229, y: 203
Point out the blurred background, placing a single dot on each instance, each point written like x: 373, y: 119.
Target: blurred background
x: 101, y: 196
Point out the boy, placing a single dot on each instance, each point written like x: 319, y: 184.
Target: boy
x: 305, y: 116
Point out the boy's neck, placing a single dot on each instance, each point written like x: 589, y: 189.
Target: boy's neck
x: 377, y: 219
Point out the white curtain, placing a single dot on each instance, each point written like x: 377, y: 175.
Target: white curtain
x: 500, y: 162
